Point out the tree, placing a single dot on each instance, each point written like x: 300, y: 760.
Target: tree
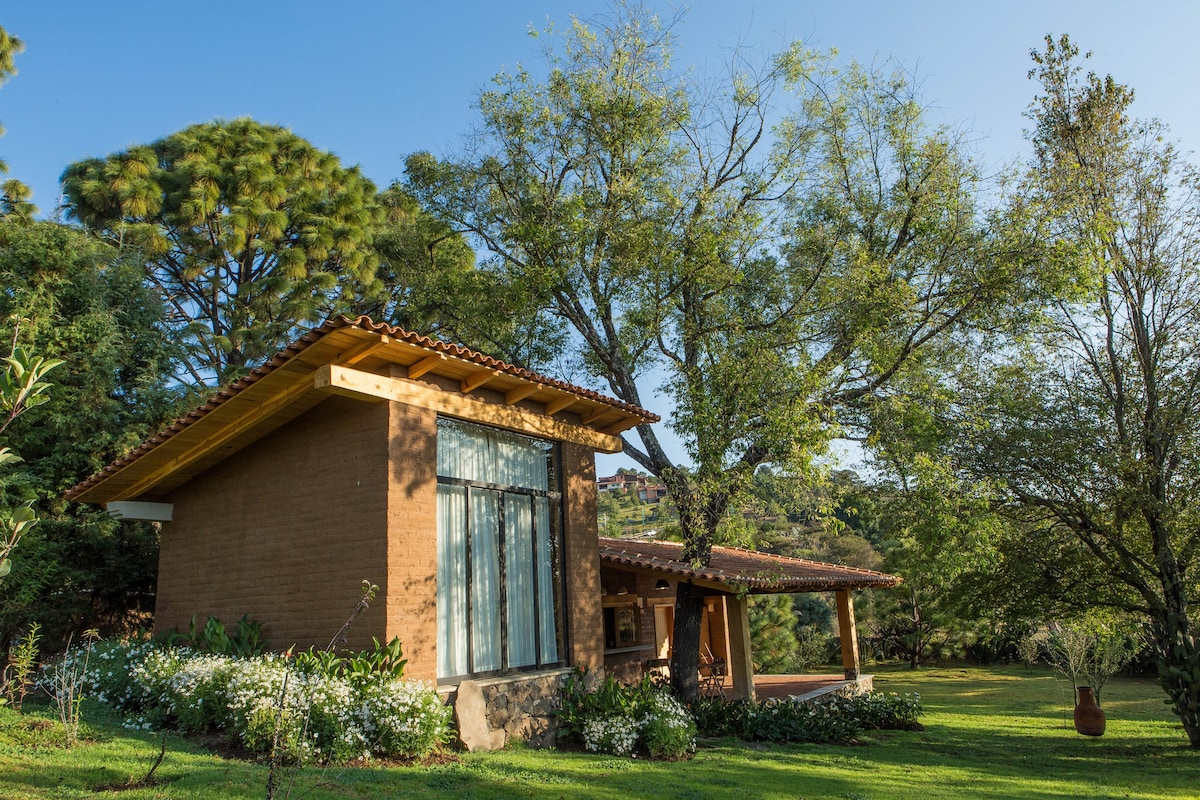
x: 773, y: 633
x: 22, y: 387
x: 771, y: 281
x: 14, y: 195
x: 1088, y: 422
x: 428, y: 283
x: 66, y: 294
x: 248, y: 231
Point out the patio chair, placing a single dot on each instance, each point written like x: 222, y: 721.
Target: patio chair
x: 712, y: 677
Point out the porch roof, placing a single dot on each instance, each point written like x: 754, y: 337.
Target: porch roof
x: 358, y: 357
x: 733, y: 569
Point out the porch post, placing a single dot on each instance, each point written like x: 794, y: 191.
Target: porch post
x: 741, y: 667
x: 848, y: 633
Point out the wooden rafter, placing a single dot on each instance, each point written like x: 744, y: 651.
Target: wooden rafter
x: 523, y: 391
x: 557, y: 405
x: 362, y: 351
x: 473, y: 382
x: 425, y: 365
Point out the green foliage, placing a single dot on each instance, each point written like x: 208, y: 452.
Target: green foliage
x: 357, y: 668
x: 1090, y: 649
x: 774, y: 282
x: 245, y: 640
x: 22, y: 387
x: 611, y: 717
x: 272, y: 706
x: 68, y: 296
x: 1083, y: 421
x: 834, y: 719
x: 773, y: 634
x: 14, y: 195
x: 18, y: 673
x: 249, y: 232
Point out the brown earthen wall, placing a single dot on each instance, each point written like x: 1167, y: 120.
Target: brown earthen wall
x: 285, y: 531
x: 412, y: 541
x: 581, y: 563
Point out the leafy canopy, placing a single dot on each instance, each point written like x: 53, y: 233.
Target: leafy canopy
x: 249, y: 232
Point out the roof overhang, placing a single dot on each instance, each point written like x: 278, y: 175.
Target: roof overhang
x: 734, y: 570
x: 369, y: 361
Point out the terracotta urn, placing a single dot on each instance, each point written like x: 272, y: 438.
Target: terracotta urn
x: 1089, y: 717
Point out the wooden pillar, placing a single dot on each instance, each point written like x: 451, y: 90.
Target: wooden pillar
x: 848, y: 633
x: 741, y: 666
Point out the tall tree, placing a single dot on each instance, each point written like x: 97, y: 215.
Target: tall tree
x: 249, y: 232
x: 428, y: 283
x: 66, y: 295
x: 14, y: 195
x: 1089, y: 422
x: 768, y: 280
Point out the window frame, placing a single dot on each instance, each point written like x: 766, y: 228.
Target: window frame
x: 557, y: 542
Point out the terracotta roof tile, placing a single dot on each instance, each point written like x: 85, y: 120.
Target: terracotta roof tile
x: 741, y: 569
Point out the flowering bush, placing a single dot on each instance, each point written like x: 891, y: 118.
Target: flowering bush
x: 317, y: 715
x: 616, y: 735
x: 668, y: 730
x: 617, y: 719
x: 403, y: 719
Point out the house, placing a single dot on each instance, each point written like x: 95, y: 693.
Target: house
x: 638, y: 580
x: 464, y: 487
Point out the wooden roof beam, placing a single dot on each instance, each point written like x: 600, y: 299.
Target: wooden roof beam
x: 523, y: 391
x: 557, y: 405
x: 473, y: 382
x: 363, y: 351
x: 368, y: 386
x: 425, y: 365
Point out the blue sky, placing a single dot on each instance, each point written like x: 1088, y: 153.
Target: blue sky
x: 373, y: 81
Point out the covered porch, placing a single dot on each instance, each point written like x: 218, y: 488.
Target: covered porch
x: 638, y: 583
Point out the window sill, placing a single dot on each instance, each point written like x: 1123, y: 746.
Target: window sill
x: 636, y: 649
x: 498, y: 680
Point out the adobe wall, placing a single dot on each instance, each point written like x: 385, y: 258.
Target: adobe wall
x: 581, y: 562
x: 412, y: 539
x: 285, y: 531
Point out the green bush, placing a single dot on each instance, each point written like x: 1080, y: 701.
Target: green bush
x: 330, y: 717
x: 837, y: 719
x: 618, y: 719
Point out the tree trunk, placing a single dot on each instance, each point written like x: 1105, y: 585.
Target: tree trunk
x: 1178, y: 657
x: 685, y: 652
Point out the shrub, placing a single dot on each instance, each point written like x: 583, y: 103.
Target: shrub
x: 403, y: 719
x: 837, y: 719
x: 617, y: 719
x: 349, y: 714
x: 668, y: 730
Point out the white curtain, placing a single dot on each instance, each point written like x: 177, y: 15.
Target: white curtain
x: 489, y: 455
x: 485, y: 580
x: 518, y: 553
x: 452, y: 580
x: 486, y: 455
x: 546, y: 580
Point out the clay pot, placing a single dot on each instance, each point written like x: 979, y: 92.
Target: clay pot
x: 1089, y: 717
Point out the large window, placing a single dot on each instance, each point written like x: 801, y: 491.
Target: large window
x: 499, y: 540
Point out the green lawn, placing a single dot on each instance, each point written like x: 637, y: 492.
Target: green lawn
x: 989, y: 733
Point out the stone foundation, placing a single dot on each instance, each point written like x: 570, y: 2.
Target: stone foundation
x: 523, y: 706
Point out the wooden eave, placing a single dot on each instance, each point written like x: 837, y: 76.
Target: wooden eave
x: 367, y: 360
x: 733, y: 570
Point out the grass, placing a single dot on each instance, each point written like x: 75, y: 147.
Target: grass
x: 1001, y: 733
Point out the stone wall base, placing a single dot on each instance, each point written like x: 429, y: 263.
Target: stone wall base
x: 522, y: 706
